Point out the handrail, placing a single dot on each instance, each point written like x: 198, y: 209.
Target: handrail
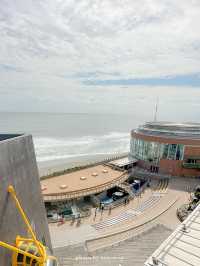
x: 17, y: 250
x: 24, y: 217
x: 158, y: 262
x: 191, y: 165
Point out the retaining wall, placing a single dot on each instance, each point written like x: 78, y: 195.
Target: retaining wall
x: 18, y: 167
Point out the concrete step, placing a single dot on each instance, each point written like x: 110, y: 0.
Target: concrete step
x: 129, y: 214
x: 128, y: 253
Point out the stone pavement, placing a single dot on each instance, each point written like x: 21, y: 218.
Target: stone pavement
x: 69, y: 234
x: 65, y: 235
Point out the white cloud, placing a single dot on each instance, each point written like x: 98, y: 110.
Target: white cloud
x: 51, y: 39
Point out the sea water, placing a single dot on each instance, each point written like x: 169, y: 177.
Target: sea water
x: 64, y: 140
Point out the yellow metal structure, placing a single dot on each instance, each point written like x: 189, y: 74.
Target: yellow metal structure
x: 28, y: 251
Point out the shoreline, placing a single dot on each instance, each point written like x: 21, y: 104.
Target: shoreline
x: 59, y: 167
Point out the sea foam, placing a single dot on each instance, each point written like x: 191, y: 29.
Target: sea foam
x: 51, y: 148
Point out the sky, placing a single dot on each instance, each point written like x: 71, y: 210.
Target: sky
x: 100, y: 56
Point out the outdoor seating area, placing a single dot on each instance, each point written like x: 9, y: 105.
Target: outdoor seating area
x: 122, y: 194
x: 112, y: 195
x: 65, y: 211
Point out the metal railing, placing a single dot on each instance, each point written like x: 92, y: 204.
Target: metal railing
x: 191, y: 165
x: 105, y: 161
x: 157, y: 262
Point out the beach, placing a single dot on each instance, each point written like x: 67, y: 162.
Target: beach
x: 46, y: 168
x: 63, y: 141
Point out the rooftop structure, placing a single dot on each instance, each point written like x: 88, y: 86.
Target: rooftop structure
x: 81, y: 183
x: 123, y: 162
x: 8, y: 136
x: 170, y: 130
x: 167, y: 148
x: 182, y: 247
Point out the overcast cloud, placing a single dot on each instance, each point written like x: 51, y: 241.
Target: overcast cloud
x: 55, y: 53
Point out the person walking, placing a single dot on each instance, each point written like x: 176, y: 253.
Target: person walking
x: 102, y: 208
x: 95, y: 213
x: 109, y: 210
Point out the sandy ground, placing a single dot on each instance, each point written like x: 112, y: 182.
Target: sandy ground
x: 48, y: 167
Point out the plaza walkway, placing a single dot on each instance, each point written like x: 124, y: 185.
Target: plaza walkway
x: 69, y: 234
x: 129, y: 214
x: 157, y: 204
x: 132, y: 213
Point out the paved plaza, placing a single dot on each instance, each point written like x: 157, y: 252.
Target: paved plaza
x: 155, y: 203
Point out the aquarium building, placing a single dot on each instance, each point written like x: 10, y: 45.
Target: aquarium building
x: 167, y: 147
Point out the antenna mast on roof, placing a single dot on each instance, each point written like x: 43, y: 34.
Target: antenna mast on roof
x: 156, y: 110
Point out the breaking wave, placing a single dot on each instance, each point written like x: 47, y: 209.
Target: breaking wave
x: 49, y: 148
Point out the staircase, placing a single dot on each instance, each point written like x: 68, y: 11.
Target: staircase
x: 135, y: 251
x: 162, y: 185
x: 132, y: 252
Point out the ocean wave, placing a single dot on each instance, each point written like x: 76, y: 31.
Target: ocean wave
x: 48, y: 148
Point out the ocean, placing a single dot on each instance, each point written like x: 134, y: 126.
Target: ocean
x: 65, y: 140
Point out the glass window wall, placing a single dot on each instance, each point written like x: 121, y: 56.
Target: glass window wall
x: 172, y: 151
x: 154, y: 151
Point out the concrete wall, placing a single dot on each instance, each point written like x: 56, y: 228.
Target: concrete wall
x: 18, y: 167
x: 191, y: 151
x: 175, y: 168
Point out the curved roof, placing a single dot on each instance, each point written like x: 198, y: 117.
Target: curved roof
x: 170, y: 129
x: 88, y: 180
